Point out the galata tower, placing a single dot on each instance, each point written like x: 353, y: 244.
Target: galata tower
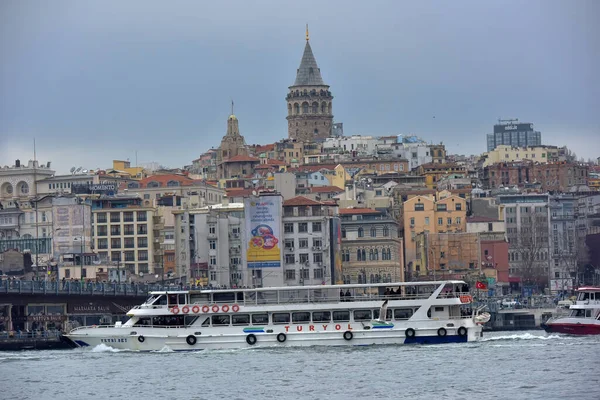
x: 309, y: 101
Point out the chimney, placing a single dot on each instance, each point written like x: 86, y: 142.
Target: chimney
x: 17, y: 163
x: 225, y: 200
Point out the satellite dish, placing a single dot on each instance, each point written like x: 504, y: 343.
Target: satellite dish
x: 78, y: 169
x: 141, y: 274
x: 254, y: 193
x: 72, y: 169
x: 85, y: 171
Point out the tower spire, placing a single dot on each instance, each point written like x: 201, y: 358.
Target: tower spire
x: 232, y: 107
x: 307, y: 33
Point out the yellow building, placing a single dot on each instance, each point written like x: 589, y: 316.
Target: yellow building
x: 504, y: 153
x: 133, y: 172
x: 423, y: 214
x: 433, y: 172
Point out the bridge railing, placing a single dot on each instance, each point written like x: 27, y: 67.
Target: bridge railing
x: 79, y: 288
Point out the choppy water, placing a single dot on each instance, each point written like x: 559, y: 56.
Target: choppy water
x: 505, y: 365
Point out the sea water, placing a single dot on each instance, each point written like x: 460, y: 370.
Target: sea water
x: 504, y: 365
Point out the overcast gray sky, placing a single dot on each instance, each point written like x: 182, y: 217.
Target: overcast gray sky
x: 96, y: 81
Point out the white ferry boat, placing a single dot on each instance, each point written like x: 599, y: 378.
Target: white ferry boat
x: 333, y: 315
x: 584, y: 316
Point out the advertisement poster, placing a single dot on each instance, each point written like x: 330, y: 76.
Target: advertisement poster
x: 263, y: 231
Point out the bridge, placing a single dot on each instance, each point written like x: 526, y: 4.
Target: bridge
x: 77, y: 288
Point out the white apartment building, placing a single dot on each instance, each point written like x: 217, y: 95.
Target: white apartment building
x: 209, y: 248
x: 307, y: 241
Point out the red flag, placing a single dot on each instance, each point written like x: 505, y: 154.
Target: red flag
x: 480, y: 285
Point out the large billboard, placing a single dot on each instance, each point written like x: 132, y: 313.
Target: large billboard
x: 263, y: 231
x: 513, y: 128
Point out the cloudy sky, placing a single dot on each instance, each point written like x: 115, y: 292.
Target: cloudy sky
x: 94, y: 81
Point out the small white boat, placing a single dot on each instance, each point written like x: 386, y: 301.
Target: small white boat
x: 584, y: 315
x: 333, y: 315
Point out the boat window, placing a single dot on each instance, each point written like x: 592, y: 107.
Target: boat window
x: 190, y: 319
x: 300, y: 317
x: 388, y: 314
x: 403, y: 313
x: 151, y: 299
x: 588, y: 313
x: 281, y: 318
x: 240, y: 319
x: 182, y: 299
x: 260, y: 319
x: 200, y: 298
x: 362, y: 315
x: 161, y: 301
x: 341, y: 316
x: 321, y: 316
x: 439, y: 309
x: 224, y: 297
x: 168, y: 320
x: 143, y: 322
x: 206, y: 322
x: 172, y: 300
x: 219, y: 320
x: 577, y: 313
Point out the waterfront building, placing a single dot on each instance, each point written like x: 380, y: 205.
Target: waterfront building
x: 309, y: 101
x: 121, y: 167
x: 371, y: 246
x: 515, y: 134
x: 129, y: 232
x: 307, y: 237
x: 438, y: 153
x: 423, y: 213
x: 527, y: 218
x: 208, y: 245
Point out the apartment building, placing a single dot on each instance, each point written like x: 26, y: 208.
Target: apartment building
x: 422, y: 214
x: 127, y: 232
x: 307, y: 240
x: 371, y: 246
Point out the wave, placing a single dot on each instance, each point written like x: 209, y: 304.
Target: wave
x: 522, y: 336
x: 102, y: 348
x: 165, y: 349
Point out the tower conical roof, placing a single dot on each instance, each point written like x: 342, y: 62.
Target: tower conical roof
x: 308, y: 72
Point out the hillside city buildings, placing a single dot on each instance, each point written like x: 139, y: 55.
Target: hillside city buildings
x: 315, y: 208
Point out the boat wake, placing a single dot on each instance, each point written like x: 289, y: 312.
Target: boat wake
x: 165, y: 349
x: 102, y: 348
x: 522, y: 336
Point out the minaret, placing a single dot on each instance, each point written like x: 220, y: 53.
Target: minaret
x: 309, y: 101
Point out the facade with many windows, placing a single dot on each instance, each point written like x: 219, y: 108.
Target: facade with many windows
x: 128, y: 234
x: 371, y: 247
x: 307, y: 241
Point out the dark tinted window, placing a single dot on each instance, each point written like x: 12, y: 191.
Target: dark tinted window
x: 220, y: 320
x: 281, y: 318
x: 321, y: 316
x: 341, y: 316
x: 403, y: 313
x: 240, y: 319
x: 362, y: 315
x: 260, y: 319
x: 299, y: 317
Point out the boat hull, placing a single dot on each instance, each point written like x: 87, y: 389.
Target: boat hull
x: 120, y: 338
x: 572, y: 328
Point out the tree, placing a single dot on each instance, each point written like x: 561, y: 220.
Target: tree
x: 530, y: 250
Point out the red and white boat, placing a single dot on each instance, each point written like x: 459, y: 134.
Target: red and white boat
x: 584, y: 315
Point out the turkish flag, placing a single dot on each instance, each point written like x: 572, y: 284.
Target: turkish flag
x: 480, y: 285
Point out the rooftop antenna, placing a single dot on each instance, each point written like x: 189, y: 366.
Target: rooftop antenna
x: 72, y: 170
x: 78, y: 169
x: 232, y: 107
